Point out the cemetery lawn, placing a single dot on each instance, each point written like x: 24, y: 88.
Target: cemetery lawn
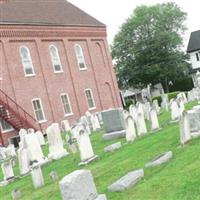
x: 177, y: 180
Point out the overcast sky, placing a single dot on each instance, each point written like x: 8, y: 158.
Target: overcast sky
x: 114, y: 12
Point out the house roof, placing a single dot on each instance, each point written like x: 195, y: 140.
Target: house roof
x: 194, y: 42
x: 45, y: 12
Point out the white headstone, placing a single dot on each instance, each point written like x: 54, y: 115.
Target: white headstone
x: 22, y: 133
x: 141, y: 125
x: 56, y: 149
x: 175, y: 113
x: 84, y: 144
x: 130, y: 129
x: 40, y: 138
x: 133, y: 112
x: 35, y: 153
x: 37, y: 177
x: 184, y: 128
x: 65, y: 125
x: 79, y: 185
x: 95, y: 123
x: 154, y: 120
x: 7, y: 170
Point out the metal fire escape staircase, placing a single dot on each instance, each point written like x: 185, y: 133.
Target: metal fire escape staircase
x: 15, y: 115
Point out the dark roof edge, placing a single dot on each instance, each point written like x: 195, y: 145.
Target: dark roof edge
x: 193, y: 50
x: 51, y: 24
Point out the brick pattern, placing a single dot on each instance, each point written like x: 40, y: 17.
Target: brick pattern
x: 48, y: 85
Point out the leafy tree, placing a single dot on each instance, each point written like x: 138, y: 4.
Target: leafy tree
x: 147, y: 49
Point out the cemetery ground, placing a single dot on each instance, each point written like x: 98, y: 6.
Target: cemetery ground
x: 176, y: 180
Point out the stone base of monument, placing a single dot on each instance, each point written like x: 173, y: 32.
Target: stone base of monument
x: 101, y: 197
x: 195, y: 134
x: 6, y: 182
x: 86, y: 162
x: 127, y: 181
x: 156, y: 130
x: 57, y: 156
x: 159, y: 160
x: 113, y: 147
x: 114, y: 135
x: 174, y: 121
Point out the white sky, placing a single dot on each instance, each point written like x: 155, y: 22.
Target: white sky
x: 114, y: 12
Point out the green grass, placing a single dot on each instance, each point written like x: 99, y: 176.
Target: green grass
x: 177, y: 180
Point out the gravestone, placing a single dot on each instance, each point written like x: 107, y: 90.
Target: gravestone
x: 33, y: 147
x: 175, y: 113
x: 23, y: 158
x: 16, y: 194
x: 7, y: 170
x: 130, y: 129
x: 56, y: 149
x: 141, y: 125
x: 184, y: 125
x: 65, y: 125
x: 54, y: 176
x: 133, y: 112
x: 37, y: 177
x: 154, y: 120
x: 159, y: 160
x: 95, y: 123
x: 114, y: 124
x: 79, y: 185
x: 85, y: 147
x: 113, y: 147
x: 127, y: 181
x: 156, y: 106
x: 40, y: 138
x: 22, y: 133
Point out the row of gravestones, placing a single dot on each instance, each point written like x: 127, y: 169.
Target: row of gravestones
x: 30, y: 153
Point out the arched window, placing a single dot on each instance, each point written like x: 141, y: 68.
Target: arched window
x: 55, y: 58
x: 80, y: 57
x: 26, y: 61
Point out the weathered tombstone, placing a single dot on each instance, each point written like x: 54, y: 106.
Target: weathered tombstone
x: 37, y: 177
x: 127, y: 181
x: 147, y: 108
x: 10, y: 151
x: 156, y: 106
x: 23, y: 159
x: 22, y: 133
x: 141, y: 125
x: 95, y: 123
x: 184, y: 125
x: 65, y: 125
x: 79, y: 185
x: 16, y: 194
x: 40, y: 138
x: 30, y: 130
x: 35, y: 153
x: 54, y: 176
x: 7, y: 170
x: 113, y: 147
x: 130, y: 129
x: 175, y: 113
x: 133, y: 112
x: 85, y: 146
x: 114, y: 124
x: 165, y: 102
x: 181, y: 104
x: 56, y: 149
x: 159, y: 160
x: 154, y: 120
x: 194, y: 121
x: 183, y: 96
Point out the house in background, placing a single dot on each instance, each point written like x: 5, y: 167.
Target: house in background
x: 55, y: 64
x: 194, y: 51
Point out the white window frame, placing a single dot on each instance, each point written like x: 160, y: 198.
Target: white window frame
x: 80, y: 58
x: 5, y: 130
x: 38, y: 99
x: 56, y: 60
x: 69, y: 102
x: 29, y: 60
x: 94, y: 107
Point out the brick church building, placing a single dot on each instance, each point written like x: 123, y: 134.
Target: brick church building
x: 54, y: 64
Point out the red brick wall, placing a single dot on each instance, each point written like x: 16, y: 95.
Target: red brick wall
x: 48, y: 85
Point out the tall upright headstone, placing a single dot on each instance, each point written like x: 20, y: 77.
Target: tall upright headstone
x: 184, y: 128
x: 141, y: 125
x: 130, y: 129
x: 154, y: 120
x: 56, y: 146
